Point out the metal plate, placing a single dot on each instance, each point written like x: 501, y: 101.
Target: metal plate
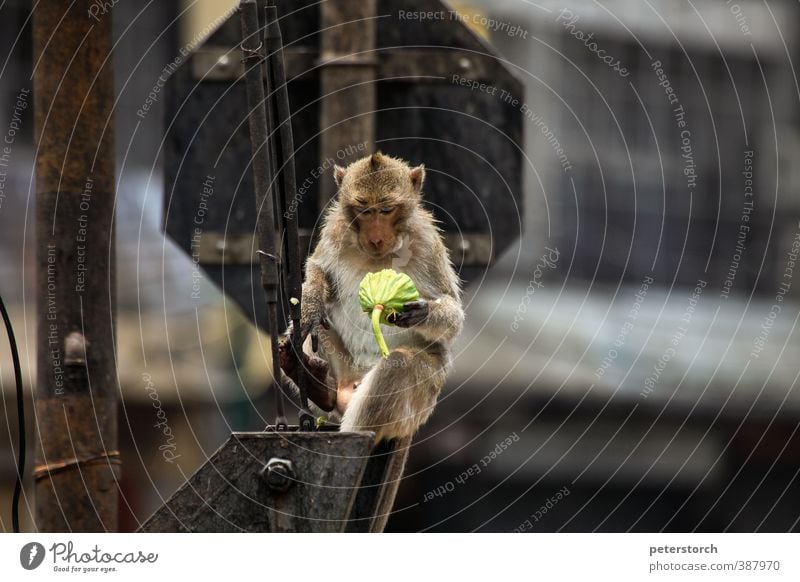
x: 227, y: 494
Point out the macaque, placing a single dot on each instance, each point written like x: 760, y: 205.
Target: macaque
x: 378, y: 222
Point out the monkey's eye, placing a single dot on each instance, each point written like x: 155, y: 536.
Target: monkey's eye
x: 387, y: 210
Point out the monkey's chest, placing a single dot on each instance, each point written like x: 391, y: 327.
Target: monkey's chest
x: 355, y: 329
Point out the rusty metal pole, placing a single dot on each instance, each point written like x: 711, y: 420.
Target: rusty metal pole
x: 76, y: 396
x: 349, y: 67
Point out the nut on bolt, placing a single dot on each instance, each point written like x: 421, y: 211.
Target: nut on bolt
x: 278, y: 474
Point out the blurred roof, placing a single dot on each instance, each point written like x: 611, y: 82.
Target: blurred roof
x: 565, y: 334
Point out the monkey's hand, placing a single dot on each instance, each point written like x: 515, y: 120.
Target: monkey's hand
x: 442, y: 320
x: 414, y: 313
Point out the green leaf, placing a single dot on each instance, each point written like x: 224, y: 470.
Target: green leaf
x: 383, y: 293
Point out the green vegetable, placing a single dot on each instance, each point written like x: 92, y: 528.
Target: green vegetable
x: 383, y: 293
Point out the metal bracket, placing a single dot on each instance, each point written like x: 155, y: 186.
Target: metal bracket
x: 469, y: 250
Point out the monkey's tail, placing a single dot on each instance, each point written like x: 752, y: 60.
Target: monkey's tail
x: 393, y: 476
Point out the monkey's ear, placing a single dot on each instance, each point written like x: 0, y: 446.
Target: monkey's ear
x: 418, y: 177
x: 338, y: 174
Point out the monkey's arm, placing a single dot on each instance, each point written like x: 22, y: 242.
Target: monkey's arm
x: 320, y: 340
x: 315, y: 294
x: 437, y: 316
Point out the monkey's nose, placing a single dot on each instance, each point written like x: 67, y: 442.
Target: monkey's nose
x: 376, y: 242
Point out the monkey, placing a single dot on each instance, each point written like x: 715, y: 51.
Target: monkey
x: 377, y: 221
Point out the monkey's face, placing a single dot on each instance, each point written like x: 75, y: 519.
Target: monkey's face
x: 376, y: 228
x: 378, y: 194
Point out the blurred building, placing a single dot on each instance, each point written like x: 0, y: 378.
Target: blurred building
x: 661, y: 139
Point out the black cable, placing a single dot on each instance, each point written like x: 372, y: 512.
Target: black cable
x: 20, y: 418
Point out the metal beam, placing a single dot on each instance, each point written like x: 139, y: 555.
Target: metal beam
x: 426, y: 65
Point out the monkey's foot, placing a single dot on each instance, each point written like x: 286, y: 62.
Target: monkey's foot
x: 344, y: 394
x: 318, y: 390
x: 317, y: 369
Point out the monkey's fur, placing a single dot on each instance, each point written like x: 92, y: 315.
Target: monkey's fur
x: 392, y: 396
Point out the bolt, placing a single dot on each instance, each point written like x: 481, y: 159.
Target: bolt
x: 278, y: 474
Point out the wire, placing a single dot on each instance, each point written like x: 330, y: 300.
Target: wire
x: 20, y: 418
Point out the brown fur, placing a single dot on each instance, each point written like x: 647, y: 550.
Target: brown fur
x: 395, y: 395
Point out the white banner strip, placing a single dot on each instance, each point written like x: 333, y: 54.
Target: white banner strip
x: 400, y: 557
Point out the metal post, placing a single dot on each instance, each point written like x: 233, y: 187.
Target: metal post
x: 282, y: 145
x: 347, y: 79
x: 252, y: 48
x: 76, y: 403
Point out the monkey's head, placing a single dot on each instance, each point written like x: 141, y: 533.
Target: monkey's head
x: 378, y: 194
